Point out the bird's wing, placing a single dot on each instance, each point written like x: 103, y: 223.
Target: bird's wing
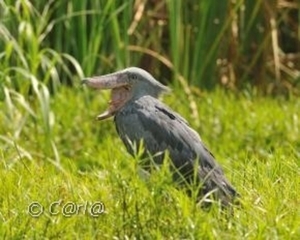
x: 163, y: 129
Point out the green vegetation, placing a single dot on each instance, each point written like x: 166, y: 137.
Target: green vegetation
x: 79, y: 160
x: 53, y: 152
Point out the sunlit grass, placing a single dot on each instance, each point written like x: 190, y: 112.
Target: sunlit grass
x: 255, y: 141
x: 52, y: 151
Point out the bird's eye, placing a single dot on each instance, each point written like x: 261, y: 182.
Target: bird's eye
x: 133, y: 76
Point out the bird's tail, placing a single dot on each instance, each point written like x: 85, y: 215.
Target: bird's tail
x: 217, y: 188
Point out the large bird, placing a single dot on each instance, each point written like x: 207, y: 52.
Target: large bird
x: 141, y: 118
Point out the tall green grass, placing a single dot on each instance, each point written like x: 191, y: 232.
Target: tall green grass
x: 255, y: 139
x: 52, y: 150
x: 31, y: 71
x: 232, y: 43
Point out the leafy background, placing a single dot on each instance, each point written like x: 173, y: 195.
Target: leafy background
x: 234, y: 69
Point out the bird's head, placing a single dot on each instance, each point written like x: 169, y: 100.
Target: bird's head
x: 127, y: 84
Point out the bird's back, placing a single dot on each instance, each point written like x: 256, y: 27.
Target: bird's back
x: 149, y: 120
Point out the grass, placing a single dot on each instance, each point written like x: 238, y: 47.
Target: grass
x: 255, y: 139
x: 233, y: 43
x: 53, y: 153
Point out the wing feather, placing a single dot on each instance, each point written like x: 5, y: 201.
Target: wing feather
x: 163, y: 129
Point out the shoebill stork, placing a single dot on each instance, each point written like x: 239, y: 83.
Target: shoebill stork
x: 140, y: 116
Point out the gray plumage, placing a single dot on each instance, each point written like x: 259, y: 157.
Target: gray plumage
x: 140, y: 116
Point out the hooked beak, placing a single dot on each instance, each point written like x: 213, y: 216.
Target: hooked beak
x: 120, y: 93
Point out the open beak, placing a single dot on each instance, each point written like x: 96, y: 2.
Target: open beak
x: 120, y: 91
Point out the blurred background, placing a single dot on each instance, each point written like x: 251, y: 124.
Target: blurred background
x: 238, y: 44
x: 234, y: 68
x: 244, y: 48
